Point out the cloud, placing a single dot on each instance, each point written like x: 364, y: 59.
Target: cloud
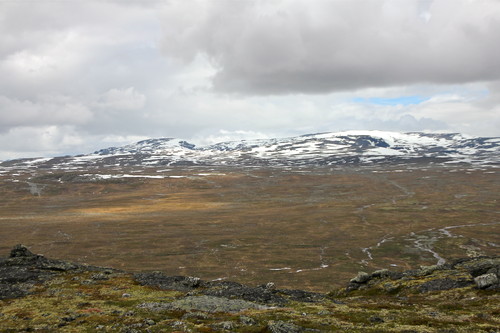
x: 291, y: 46
x: 73, y: 47
x: 37, y: 141
x: 80, y: 75
x: 122, y: 99
x: 45, y: 110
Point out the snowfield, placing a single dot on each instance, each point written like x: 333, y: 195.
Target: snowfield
x: 350, y: 147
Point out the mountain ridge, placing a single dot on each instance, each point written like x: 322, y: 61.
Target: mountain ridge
x: 327, y: 148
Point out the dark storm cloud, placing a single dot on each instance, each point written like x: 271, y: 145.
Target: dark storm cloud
x: 319, y: 46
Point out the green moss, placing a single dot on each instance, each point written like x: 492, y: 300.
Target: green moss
x: 86, y: 302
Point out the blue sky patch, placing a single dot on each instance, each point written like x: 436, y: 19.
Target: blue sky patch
x: 403, y: 100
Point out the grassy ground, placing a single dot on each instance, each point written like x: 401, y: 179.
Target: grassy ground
x: 310, y: 229
x: 90, y: 300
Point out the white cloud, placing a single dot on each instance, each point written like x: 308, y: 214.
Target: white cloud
x: 29, y: 141
x: 80, y: 75
x: 46, y: 110
x: 122, y: 99
x: 295, y: 46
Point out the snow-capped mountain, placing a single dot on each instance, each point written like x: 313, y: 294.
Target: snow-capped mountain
x: 352, y: 147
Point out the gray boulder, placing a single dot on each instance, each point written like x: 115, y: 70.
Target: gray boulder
x: 486, y: 280
x: 280, y: 326
x: 381, y: 273
x: 362, y: 277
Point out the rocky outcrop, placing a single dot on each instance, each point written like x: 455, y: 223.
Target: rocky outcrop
x: 163, y: 281
x: 283, y: 327
x: 209, y: 304
x: 481, y: 272
x: 23, y: 269
x: 21, y: 251
x: 361, y: 278
x: 486, y: 281
x: 41, y: 294
x: 264, y: 294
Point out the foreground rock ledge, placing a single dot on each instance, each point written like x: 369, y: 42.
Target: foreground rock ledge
x: 47, y: 295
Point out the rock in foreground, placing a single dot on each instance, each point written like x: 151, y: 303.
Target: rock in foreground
x: 46, y: 295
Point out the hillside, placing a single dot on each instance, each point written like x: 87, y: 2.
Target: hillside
x: 330, y: 149
x: 47, y: 295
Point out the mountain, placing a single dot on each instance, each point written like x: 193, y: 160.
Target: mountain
x: 351, y: 148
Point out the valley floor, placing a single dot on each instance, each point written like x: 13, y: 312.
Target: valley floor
x: 305, y: 228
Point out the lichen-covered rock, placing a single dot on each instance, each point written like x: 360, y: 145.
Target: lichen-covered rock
x: 270, y: 286
x: 225, y: 325
x: 381, y: 273
x: 99, y: 277
x: 479, y: 266
x: 163, y: 281
x: 23, y: 269
x: 280, y: 326
x: 19, y: 274
x: 443, y: 284
x: 10, y: 291
x: 196, y: 315
x: 301, y: 295
x: 203, y: 303
x: 362, y: 277
x: 20, y: 251
x: 390, y: 287
x: 230, y: 289
x: 457, y: 274
x: 486, y: 280
x: 149, y: 322
x: 248, y: 321
x: 55, y: 265
x: 192, y: 281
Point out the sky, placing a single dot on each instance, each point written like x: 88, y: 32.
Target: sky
x: 80, y: 75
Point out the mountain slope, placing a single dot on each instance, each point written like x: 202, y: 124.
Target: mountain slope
x: 352, y: 147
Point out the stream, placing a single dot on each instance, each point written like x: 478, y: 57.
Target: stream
x: 425, y: 240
